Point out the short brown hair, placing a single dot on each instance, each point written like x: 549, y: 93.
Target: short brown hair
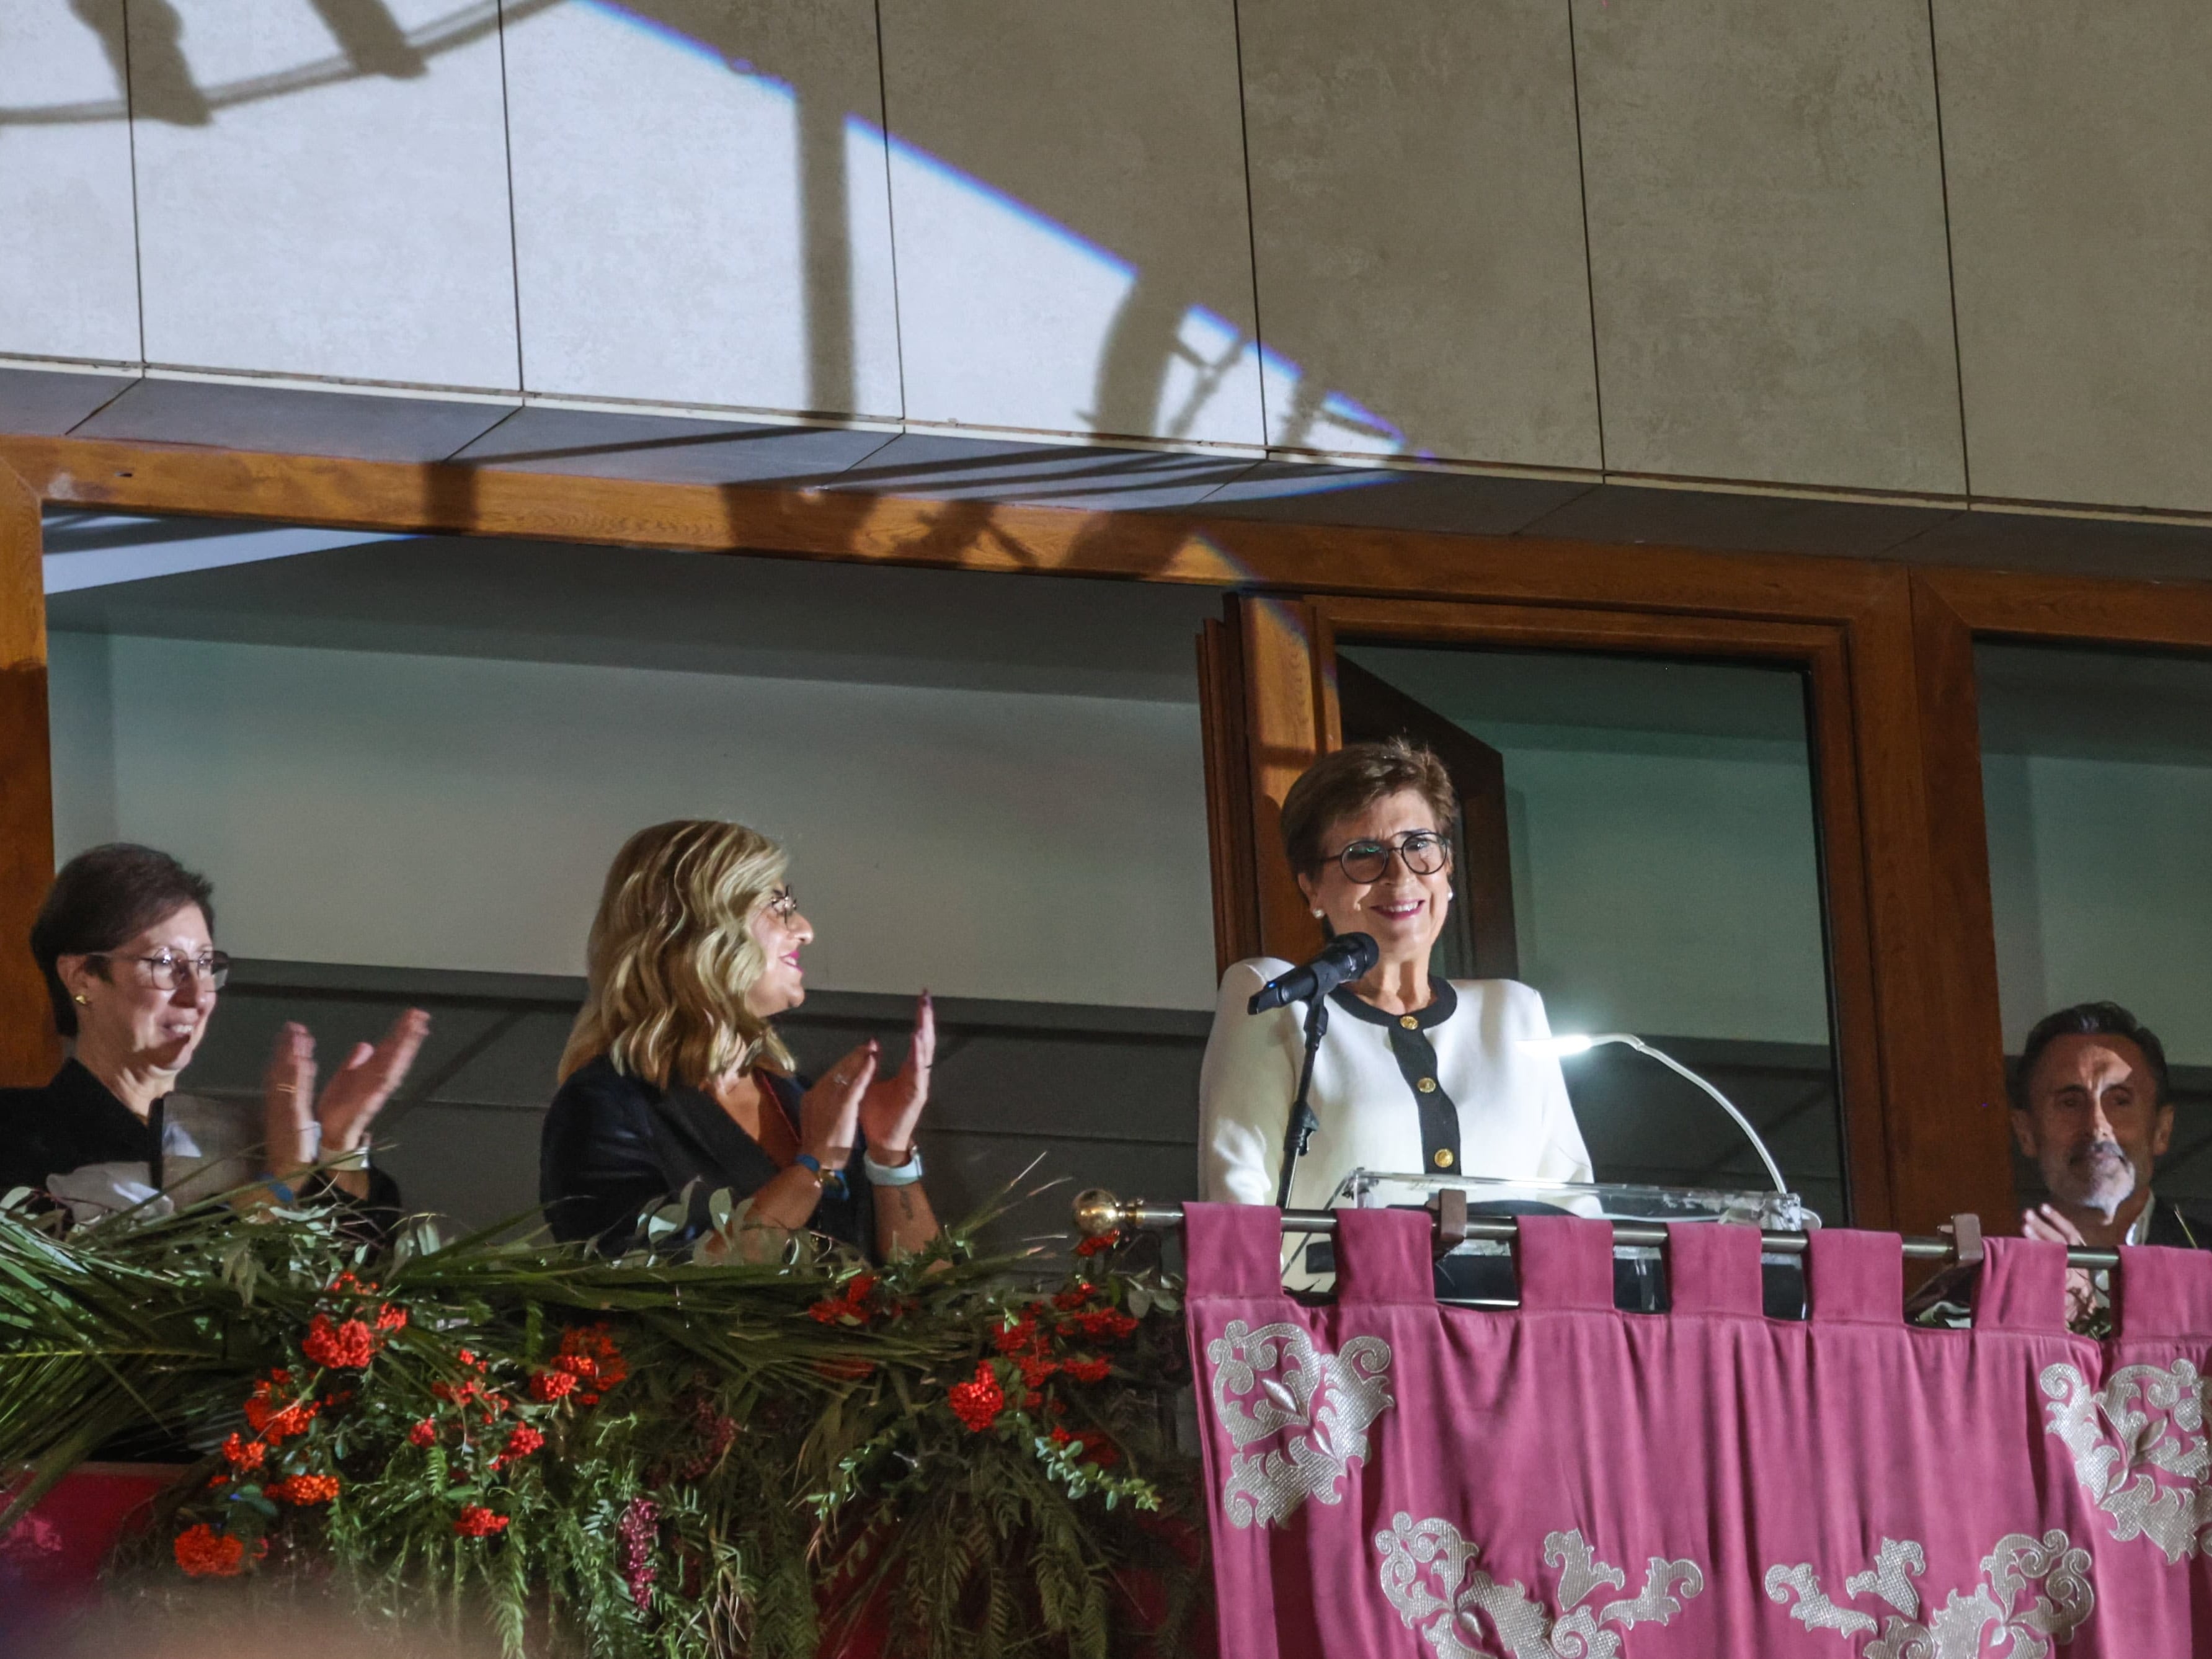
x: 1356, y: 776
x: 102, y: 898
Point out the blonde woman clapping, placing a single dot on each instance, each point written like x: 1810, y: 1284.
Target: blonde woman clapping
x: 675, y: 1081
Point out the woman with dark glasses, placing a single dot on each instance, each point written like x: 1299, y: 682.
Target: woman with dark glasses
x: 125, y: 944
x: 1416, y: 1075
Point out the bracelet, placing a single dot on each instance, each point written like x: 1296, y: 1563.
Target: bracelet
x: 284, y: 1193
x: 892, y: 1174
x: 822, y: 1178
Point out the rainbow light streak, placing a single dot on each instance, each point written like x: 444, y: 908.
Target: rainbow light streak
x: 1011, y: 205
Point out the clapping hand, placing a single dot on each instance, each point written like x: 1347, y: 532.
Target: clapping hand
x: 892, y: 1105
x: 2045, y: 1223
x: 829, y: 1112
x: 299, y: 1124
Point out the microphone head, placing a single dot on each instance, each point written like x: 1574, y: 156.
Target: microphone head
x: 1359, y: 951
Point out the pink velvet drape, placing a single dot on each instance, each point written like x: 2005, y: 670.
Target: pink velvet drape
x: 1565, y: 1481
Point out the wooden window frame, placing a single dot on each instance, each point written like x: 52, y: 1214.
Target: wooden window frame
x: 1952, y: 608
x: 1909, y: 1161
x: 1890, y: 650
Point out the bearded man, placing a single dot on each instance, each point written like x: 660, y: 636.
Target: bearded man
x: 2090, y: 1107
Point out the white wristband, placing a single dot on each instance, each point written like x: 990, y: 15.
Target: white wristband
x: 901, y: 1175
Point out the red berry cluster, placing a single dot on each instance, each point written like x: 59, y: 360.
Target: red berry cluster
x: 477, y: 1522
x: 849, y: 1307
x: 276, y: 1423
x: 277, y: 1411
x: 302, y: 1489
x: 348, y: 1346
x: 591, y: 1362
x: 479, y: 1403
x: 203, y: 1553
x: 1033, y: 1350
x: 859, y: 1304
x: 280, y: 1409
x: 978, y: 1402
x: 546, y: 1387
x: 1098, y: 1243
x: 1029, y: 1341
x: 244, y: 1456
x: 488, y: 1399
x: 521, y: 1441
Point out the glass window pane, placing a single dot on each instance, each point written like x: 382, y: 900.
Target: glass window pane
x: 1664, y: 873
x: 2097, y: 789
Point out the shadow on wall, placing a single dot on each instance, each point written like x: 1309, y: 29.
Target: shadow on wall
x: 1177, y: 342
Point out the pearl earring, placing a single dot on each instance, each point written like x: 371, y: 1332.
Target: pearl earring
x: 1317, y: 915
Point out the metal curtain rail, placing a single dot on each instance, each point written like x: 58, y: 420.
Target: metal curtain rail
x: 1099, y: 1212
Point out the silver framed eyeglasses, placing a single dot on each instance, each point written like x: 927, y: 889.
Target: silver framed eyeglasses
x: 783, y: 904
x: 1424, y: 852
x: 166, y: 969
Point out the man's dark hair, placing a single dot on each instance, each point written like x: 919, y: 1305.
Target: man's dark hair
x: 102, y: 898
x: 2088, y: 1019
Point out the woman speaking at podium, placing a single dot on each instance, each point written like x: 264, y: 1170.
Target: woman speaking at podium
x: 1414, y: 1074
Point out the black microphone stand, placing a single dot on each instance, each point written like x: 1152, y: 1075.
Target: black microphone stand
x: 1298, y: 1135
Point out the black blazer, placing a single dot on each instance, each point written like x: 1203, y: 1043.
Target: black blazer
x: 71, y: 1122
x: 75, y: 1120
x: 615, y: 1146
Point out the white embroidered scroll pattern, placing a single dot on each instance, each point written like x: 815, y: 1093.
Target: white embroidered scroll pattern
x: 1429, y: 1575
x: 1321, y: 1404
x: 2000, y: 1608
x: 2144, y: 1423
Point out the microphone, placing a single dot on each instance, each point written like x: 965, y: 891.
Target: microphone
x: 1345, y: 957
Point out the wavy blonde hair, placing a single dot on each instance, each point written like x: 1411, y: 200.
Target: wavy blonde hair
x: 672, y: 955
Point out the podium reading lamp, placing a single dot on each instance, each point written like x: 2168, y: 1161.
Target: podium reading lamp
x: 1562, y: 1046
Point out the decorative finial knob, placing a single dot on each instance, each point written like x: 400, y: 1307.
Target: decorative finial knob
x: 1098, y: 1212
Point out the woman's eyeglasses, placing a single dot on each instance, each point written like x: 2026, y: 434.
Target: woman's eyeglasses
x: 1424, y: 852
x: 783, y: 904
x: 165, y: 970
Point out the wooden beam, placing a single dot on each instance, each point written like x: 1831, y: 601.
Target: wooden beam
x: 2073, y: 610
x: 30, y: 1051
x: 848, y: 525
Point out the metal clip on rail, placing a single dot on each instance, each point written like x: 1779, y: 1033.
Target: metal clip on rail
x: 1098, y: 1212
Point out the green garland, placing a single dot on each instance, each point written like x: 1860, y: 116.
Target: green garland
x: 640, y: 1457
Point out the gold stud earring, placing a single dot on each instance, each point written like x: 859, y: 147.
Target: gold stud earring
x: 86, y: 1001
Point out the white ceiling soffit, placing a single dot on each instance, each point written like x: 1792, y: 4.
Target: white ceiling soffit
x: 97, y: 549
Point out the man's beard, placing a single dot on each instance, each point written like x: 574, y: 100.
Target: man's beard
x: 2099, y: 1176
